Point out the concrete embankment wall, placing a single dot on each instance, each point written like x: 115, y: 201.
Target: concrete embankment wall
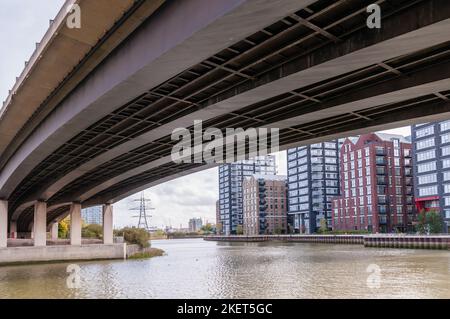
x: 415, y: 242
x: 324, y: 239
x: 13, y: 255
x: 384, y: 241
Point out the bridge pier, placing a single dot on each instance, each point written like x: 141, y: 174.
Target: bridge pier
x: 40, y: 224
x: 3, y: 224
x: 75, y: 224
x: 108, y: 237
x: 13, y: 229
x: 54, y: 231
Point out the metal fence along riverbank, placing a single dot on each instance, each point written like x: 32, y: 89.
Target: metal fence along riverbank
x: 385, y: 241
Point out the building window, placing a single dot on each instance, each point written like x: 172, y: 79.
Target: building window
x: 423, y: 156
x: 425, y: 132
x: 445, y: 138
x: 446, y: 163
x: 445, y: 126
x: 447, y: 201
x: 425, y: 143
x: 427, y: 191
x: 426, y: 167
x: 427, y: 179
x: 446, y: 176
x: 447, y: 188
x: 447, y: 214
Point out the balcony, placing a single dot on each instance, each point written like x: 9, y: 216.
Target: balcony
x: 382, y: 200
x: 408, y: 172
x: 382, y: 209
x: 380, y: 151
x: 381, y: 190
x: 381, y: 171
x: 380, y: 160
x: 381, y: 180
x: 408, y: 162
x: 409, y: 181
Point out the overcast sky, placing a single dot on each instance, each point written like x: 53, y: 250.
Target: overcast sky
x: 22, y: 24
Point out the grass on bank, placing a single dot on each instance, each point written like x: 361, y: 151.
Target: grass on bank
x: 148, y: 253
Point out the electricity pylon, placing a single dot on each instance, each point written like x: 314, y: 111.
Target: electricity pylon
x: 143, y: 206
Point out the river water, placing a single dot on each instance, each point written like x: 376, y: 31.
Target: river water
x: 193, y: 268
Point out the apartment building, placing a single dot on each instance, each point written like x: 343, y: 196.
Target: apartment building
x: 92, y: 215
x: 231, y: 177
x: 376, y: 184
x: 195, y: 224
x: 264, y: 205
x: 431, y: 149
x: 313, y: 180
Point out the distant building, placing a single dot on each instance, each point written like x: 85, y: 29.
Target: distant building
x: 230, y: 188
x: 195, y: 224
x: 376, y: 184
x: 264, y: 205
x: 218, y: 212
x: 92, y: 215
x: 431, y: 149
x: 313, y: 180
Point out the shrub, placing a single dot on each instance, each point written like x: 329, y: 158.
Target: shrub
x: 133, y: 235
x: 92, y: 231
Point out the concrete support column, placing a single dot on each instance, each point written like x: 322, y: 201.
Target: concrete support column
x: 54, y: 231
x: 40, y: 224
x: 75, y: 224
x: 3, y: 224
x: 13, y: 229
x: 108, y: 224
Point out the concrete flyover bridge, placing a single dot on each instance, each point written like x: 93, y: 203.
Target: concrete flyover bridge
x: 95, y: 128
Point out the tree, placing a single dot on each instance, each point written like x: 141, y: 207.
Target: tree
x: 434, y: 222
x: 63, y: 228
x: 239, y: 230
x: 421, y: 222
x: 277, y: 231
x: 429, y: 222
x: 92, y: 231
x: 323, y: 226
x: 133, y: 235
x: 207, y: 228
x: 219, y: 228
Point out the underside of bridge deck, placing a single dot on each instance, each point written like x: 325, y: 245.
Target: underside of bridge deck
x: 317, y: 73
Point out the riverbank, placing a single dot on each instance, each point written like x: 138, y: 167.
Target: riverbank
x: 58, y: 252
x: 381, y: 241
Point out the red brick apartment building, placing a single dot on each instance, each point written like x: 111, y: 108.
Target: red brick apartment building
x: 376, y: 184
x: 264, y: 205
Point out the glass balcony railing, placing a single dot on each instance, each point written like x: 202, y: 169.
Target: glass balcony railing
x: 380, y: 160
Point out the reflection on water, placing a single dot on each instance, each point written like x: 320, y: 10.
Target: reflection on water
x: 194, y: 268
